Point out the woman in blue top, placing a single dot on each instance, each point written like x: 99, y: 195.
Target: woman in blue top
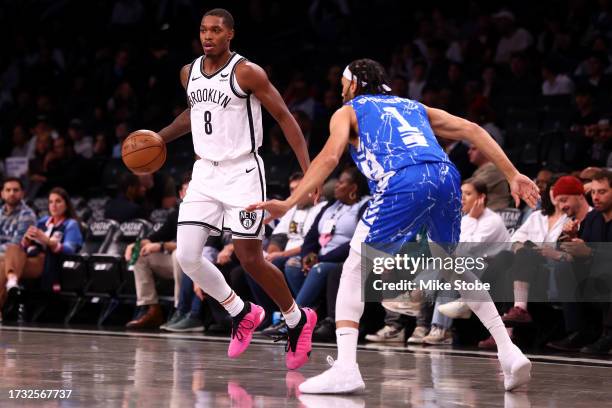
x: 413, y: 185
x: 43, y: 245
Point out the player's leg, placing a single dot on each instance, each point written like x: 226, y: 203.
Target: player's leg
x: 190, y: 241
x: 190, y: 244
x: 247, y: 232
x: 392, y: 218
x: 344, y: 375
x: 268, y: 276
x: 300, y: 322
x: 199, y: 215
x: 444, y: 228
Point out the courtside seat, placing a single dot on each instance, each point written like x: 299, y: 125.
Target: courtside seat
x: 97, y: 202
x: 74, y: 273
x: 511, y: 217
x: 159, y: 215
x: 107, y: 268
x: 96, y: 205
x: 78, y: 201
x: 81, y: 208
x: 41, y: 206
x: 109, y: 274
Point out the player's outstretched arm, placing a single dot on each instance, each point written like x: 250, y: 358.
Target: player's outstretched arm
x: 253, y: 78
x: 455, y: 128
x: 321, y: 167
x: 181, y: 125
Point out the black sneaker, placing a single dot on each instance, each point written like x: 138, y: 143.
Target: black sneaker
x: 325, y: 331
x: 602, y: 346
x: 573, y: 342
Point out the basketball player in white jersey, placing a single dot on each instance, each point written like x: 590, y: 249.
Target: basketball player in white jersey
x: 225, y: 93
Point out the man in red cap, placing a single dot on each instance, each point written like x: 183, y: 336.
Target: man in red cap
x: 569, y: 193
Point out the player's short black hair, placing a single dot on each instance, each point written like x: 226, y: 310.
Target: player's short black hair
x: 370, y: 75
x: 227, y: 17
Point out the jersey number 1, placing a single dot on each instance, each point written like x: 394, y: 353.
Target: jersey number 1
x: 207, y: 123
x: 411, y: 136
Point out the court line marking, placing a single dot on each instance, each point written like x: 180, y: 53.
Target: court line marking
x: 540, y: 358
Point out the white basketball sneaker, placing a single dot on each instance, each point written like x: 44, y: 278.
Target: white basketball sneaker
x: 516, y: 368
x: 338, y: 379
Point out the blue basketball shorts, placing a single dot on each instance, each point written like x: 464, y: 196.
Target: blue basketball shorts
x: 421, y: 196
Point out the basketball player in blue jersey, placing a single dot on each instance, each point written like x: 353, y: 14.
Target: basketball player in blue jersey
x: 413, y: 185
x: 225, y: 94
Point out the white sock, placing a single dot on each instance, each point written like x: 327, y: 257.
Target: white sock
x: 293, y: 315
x: 233, y: 304
x: 489, y: 317
x: 482, y: 305
x: 521, y: 294
x: 347, y: 337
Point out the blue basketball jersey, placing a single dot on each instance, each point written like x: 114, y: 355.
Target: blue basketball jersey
x: 394, y: 133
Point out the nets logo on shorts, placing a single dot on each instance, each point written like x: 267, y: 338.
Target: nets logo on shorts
x: 248, y: 218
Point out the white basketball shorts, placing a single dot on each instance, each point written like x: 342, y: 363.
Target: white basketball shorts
x: 219, y: 192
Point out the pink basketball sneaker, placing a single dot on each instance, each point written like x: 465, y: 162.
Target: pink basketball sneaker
x: 243, y: 327
x: 299, y: 340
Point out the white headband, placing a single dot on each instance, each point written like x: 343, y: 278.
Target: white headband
x: 349, y: 75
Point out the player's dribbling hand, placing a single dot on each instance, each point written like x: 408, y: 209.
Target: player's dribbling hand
x: 523, y: 188
x: 275, y: 208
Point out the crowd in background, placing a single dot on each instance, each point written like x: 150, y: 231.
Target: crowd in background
x: 76, y: 78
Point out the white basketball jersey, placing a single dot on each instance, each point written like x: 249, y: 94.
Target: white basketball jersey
x: 225, y: 120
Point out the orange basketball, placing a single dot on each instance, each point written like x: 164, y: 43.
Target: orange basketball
x: 143, y: 152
